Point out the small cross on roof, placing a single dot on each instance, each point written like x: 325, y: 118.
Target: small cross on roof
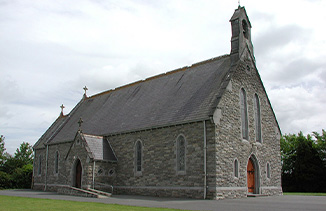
x: 80, y: 122
x: 85, y: 88
x: 62, y: 107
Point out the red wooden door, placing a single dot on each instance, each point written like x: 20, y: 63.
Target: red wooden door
x: 78, y: 174
x: 251, y: 176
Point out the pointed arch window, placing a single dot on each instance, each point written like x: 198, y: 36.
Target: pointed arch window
x: 56, y: 162
x: 138, y: 156
x: 268, y: 171
x: 181, y: 154
x: 236, y: 168
x: 257, y: 118
x: 244, y: 114
x: 39, y: 169
x: 245, y: 29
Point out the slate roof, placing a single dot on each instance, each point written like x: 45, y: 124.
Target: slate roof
x: 100, y: 148
x: 184, y: 95
x: 50, y: 132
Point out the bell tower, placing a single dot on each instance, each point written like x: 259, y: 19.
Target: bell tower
x: 241, y: 44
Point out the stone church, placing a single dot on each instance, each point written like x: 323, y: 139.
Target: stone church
x: 203, y: 131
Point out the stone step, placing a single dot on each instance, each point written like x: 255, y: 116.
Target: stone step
x: 99, y: 192
x: 256, y: 195
x: 73, y: 191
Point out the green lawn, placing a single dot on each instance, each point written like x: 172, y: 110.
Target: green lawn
x: 22, y: 203
x: 305, y: 194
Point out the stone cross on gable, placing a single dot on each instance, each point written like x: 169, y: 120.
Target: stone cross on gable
x: 85, y: 88
x: 62, y: 107
x: 80, y: 122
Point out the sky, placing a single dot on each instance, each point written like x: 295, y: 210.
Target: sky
x: 51, y: 49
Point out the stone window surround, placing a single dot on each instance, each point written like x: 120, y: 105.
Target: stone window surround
x: 56, y: 163
x: 236, y: 168
x: 39, y: 169
x: 268, y: 171
x: 245, y: 29
x: 181, y: 172
x: 246, y: 127
x: 111, y: 172
x: 136, y: 172
x: 257, y: 124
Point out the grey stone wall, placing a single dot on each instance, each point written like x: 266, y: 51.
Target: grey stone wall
x: 62, y: 176
x: 231, y: 146
x: 39, y: 179
x: 159, y: 175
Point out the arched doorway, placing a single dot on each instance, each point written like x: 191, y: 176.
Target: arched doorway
x: 78, y: 174
x: 253, y: 176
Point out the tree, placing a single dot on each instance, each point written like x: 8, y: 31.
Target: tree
x: 2, y: 150
x: 16, y: 171
x: 302, y: 165
x: 308, y: 167
x: 321, y: 144
x: 24, y: 153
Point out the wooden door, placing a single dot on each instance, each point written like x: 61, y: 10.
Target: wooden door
x: 251, y: 176
x: 78, y: 174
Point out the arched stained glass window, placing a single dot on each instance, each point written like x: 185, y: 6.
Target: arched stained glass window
x: 181, y: 154
x: 268, y: 171
x: 236, y: 168
x: 244, y: 114
x: 257, y: 118
x: 39, y: 169
x: 56, y: 162
x: 138, y: 156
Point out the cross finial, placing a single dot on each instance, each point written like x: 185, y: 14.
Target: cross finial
x: 239, y: 3
x: 85, y: 88
x: 62, y: 107
x: 80, y: 122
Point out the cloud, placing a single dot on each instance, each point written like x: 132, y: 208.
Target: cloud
x: 299, y: 109
x: 277, y: 38
x: 299, y: 71
x: 51, y: 50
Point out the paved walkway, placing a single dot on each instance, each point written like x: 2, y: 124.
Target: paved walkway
x: 296, y: 203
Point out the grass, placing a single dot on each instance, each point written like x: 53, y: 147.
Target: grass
x: 304, y: 194
x: 22, y: 203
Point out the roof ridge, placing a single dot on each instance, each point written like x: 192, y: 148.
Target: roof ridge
x: 209, y: 60
x: 94, y: 136
x: 160, y: 75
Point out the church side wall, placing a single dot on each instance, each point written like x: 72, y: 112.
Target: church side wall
x: 230, y: 146
x: 39, y: 179
x: 53, y: 179
x: 159, y: 175
x: 65, y: 175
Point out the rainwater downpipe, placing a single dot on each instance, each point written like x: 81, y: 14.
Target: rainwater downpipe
x: 46, y: 167
x: 205, y: 157
x: 94, y: 175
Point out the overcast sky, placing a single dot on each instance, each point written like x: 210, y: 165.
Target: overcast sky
x: 51, y: 49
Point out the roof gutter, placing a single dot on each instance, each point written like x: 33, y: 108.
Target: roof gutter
x: 157, y: 127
